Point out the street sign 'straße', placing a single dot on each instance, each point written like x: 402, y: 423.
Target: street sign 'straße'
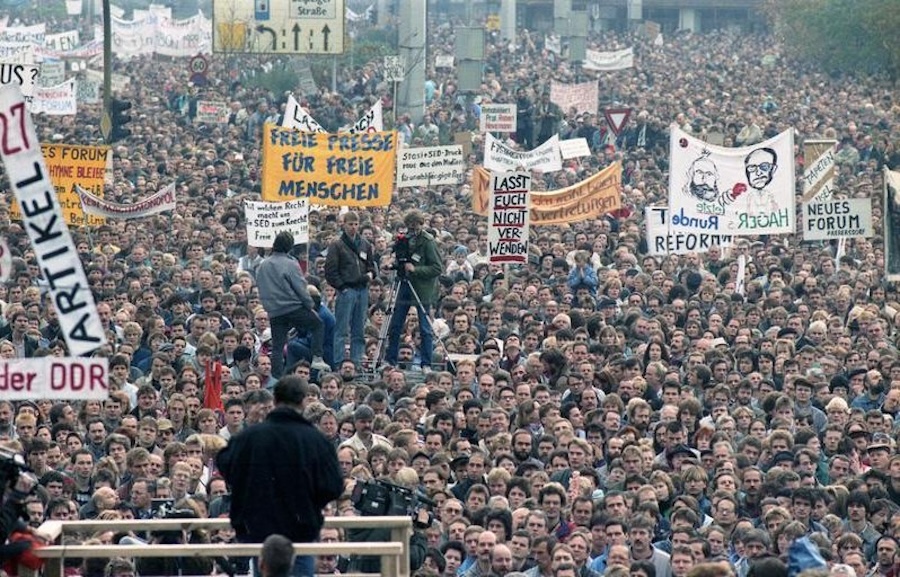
x: 278, y: 26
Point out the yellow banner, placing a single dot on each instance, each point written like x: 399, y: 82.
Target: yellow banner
x: 70, y: 165
x: 331, y: 169
x: 590, y: 198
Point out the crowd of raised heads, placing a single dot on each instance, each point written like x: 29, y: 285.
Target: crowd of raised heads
x: 596, y: 411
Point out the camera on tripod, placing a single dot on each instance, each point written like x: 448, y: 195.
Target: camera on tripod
x: 376, y: 498
x: 402, y: 253
x: 15, y: 474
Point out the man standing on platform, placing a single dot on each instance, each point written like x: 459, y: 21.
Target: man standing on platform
x: 284, y: 295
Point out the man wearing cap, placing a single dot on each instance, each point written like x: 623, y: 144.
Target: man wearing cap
x: 349, y: 267
x: 418, y: 286
x: 282, y: 473
x: 364, y: 439
x: 284, y: 295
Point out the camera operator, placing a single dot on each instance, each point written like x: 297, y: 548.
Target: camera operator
x: 418, y: 545
x: 418, y: 265
x: 187, y: 565
x: 16, y: 484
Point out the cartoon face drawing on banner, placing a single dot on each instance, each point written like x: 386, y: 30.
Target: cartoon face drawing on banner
x: 760, y: 166
x: 703, y: 178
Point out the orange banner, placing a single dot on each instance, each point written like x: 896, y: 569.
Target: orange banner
x: 590, y: 198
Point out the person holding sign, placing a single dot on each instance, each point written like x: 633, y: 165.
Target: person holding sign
x: 283, y: 293
x: 418, y: 267
x: 349, y: 267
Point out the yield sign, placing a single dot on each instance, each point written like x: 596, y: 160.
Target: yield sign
x: 617, y: 118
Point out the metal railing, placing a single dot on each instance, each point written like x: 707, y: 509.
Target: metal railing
x: 394, y: 554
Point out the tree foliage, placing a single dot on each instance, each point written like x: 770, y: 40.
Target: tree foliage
x: 842, y: 36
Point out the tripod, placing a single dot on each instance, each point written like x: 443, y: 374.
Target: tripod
x: 380, y: 352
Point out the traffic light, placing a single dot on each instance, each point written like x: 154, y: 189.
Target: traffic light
x: 120, y: 119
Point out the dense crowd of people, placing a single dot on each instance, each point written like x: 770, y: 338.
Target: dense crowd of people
x: 599, y: 411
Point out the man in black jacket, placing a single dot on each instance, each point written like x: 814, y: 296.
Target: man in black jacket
x: 349, y: 266
x: 282, y: 472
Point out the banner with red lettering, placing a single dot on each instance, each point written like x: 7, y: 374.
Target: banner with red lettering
x: 56, y: 378
x: 160, y: 202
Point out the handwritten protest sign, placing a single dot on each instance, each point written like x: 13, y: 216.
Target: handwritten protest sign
x: 67, y: 166
x: 582, y: 97
x: 430, y: 165
x: 508, y: 219
x: 212, y: 112
x: 574, y: 148
x: 590, y: 198
x: 498, y: 157
x: 498, y: 118
x: 56, y: 100
x: 330, y: 169
x: 848, y: 218
x: 818, y: 171
x: 738, y: 191
x: 266, y: 219
x: 53, y: 246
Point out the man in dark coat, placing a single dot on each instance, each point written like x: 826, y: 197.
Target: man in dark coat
x: 282, y: 472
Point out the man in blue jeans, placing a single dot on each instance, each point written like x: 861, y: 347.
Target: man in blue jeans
x: 349, y: 267
x: 419, y: 265
x: 284, y: 295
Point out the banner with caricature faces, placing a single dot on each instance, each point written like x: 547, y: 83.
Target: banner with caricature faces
x: 731, y: 191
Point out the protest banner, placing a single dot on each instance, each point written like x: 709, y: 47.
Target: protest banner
x: 329, y: 169
x: 574, y: 148
x: 297, y: 118
x: 498, y: 118
x: 818, y: 171
x: 212, y: 112
x: 162, y: 201
x: 18, y: 52
x: 22, y: 75
x: 371, y: 121
x: 45, y: 223
x: 430, y: 165
x: 891, y: 222
x: 62, y: 42
x: 266, y: 219
x: 736, y: 191
x: 56, y: 100
x: 31, y: 34
x: 499, y: 157
x: 608, y: 61
x: 848, y: 218
x: 183, y: 38
x: 54, y: 378
x: 6, y: 263
x: 508, y: 220
x: 592, y: 197
x: 553, y: 43
x: 444, y: 61
x: 52, y: 72
x: 662, y: 241
x: 70, y: 165
x: 582, y: 97
x: 87, y: 91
